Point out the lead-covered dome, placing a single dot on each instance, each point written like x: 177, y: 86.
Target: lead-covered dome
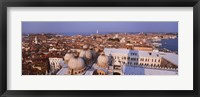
x: 85, y: 47
x: 76, y: 63
x: 102, y: 60
x: 86, y: 54
x: 68, y: 56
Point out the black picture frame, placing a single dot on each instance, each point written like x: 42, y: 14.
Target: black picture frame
x: 99, y: 3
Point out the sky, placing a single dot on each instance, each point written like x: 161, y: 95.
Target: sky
x: 80, y: 27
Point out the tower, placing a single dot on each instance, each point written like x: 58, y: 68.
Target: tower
x: 36, y: 42
x: 97, y: 32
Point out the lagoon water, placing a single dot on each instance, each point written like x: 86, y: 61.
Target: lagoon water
x: 171, y: 44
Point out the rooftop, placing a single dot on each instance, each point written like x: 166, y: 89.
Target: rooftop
x: 148, y: 54
x: 121, y: 51
x: 170, y: 57
x: 136, y: 70
x: 126, y: 51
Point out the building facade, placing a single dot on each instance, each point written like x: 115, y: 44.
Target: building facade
x: 55, y: 64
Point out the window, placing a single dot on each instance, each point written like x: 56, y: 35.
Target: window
x: 145, y: 60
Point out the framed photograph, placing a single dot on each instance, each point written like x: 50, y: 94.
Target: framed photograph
x: 99, y: 48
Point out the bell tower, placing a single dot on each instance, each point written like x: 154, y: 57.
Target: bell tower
x: 36, y: 41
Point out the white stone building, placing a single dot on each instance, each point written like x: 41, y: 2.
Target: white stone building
x: 133, y: 57
x: 55, y: 64
x: 149, y: 58
x: 123, y: 60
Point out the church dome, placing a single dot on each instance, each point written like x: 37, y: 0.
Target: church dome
x: 102, y: 60
x: 76, y: 63
x: 86, y: 54
x: 85, y: 47
x: 68, y: 56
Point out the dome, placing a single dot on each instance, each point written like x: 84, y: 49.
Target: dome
x: 91, y: 47
x: 68, y: 56
x: 102, y: 60
x: 86, y: 54
x: 73, y: 50
x: 76, y: 63
x: 85, y: 47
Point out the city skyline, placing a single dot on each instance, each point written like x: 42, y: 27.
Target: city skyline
x: 96, y: 51
x: 102, y: 27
